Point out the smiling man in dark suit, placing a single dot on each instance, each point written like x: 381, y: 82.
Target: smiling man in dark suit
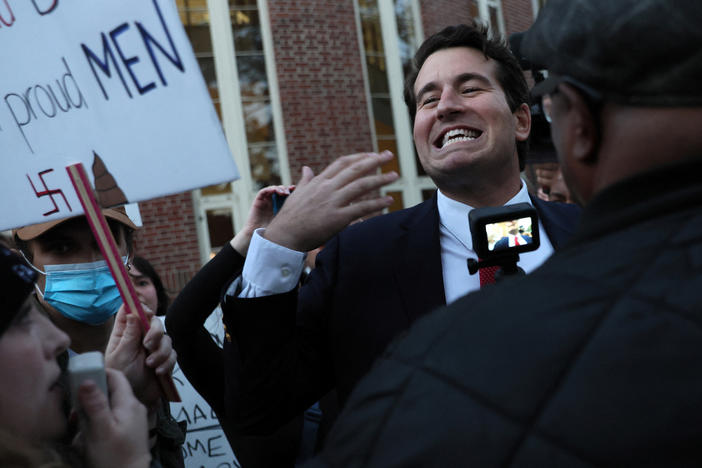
x: 592, y: 359
x: 468, y: 100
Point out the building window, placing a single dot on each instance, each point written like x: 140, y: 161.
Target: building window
x: 490, y: 11
x: 378, y: 81
x: 196, y: 18
x: 390, y: 34
x: 255, y: 93
x: 221, y: 226
x: 230, y: 39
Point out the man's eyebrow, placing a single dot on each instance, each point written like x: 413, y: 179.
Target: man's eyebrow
x: 427, y: 88
x: 462, y: 78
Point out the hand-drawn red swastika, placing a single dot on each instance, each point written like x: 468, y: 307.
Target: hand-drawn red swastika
x: 48, y: 192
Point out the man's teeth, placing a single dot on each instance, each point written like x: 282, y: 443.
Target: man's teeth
x: 459, y: 134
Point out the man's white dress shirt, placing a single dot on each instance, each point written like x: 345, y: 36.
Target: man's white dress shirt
x: 272, y: 269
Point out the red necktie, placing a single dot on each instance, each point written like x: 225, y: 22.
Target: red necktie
x: 487, y: 275
x: 516, y: 240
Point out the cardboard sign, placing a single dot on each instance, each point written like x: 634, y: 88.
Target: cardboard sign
x: 112, y: 84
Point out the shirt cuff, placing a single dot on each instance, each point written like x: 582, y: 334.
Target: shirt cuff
x: 269, y: 268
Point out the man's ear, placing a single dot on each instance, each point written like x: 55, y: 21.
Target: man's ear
x: 522, y: 119
x: 584, y: 130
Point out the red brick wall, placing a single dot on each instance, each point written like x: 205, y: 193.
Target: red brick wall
x: 518, y: 15
x: 437, y: 14
x: 320, y: 79
x: 168, y: 239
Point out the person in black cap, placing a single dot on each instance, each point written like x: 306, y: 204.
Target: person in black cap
x: 77, y: 291
x: 604, y: 371
x: 32, y: 396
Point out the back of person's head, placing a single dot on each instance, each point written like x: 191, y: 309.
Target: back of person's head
x: 474, y: 36
x: 623, y: 87
x: 632, y: 52
x: 17, y: 284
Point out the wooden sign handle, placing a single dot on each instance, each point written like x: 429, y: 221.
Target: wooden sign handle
x: 108, y: 247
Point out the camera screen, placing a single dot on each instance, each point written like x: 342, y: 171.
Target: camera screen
x: 510, y: 233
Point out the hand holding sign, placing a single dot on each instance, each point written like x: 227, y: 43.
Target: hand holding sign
x: 138, y: 355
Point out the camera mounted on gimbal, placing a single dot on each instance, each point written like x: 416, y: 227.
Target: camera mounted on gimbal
x: 500, y: 234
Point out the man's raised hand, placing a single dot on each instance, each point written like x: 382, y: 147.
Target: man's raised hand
x: 323, y: 205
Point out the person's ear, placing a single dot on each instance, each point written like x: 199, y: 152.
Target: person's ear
x: 583, y: 128
x: 522, y: 120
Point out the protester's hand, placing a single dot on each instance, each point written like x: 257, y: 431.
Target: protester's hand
x: 137, y: 357
x: 114, y: 434
x: 260, y: 215
x: 546, y: 174
x: 322, y: 205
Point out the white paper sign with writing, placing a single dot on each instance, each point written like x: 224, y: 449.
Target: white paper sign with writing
x: 112, y: 84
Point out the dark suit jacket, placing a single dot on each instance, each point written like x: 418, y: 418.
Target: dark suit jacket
x: 371, y: 282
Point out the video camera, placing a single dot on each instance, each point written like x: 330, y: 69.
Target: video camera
x: 500, y: 234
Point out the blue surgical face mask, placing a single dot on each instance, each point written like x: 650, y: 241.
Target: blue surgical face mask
x: 84, y: 292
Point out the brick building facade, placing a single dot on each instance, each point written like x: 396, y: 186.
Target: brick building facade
x: 301, y: 82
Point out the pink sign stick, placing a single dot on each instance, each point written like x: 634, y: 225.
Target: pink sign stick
x: 108, y: 247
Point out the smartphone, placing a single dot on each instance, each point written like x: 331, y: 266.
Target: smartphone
x: 278, y: 201
x: 82, y: 367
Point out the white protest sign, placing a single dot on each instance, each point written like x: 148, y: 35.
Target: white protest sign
x: 112, y: 84
x: 205, y: 443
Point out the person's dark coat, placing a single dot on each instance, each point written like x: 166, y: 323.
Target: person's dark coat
x: 201, y: 360
x: 591, y: 360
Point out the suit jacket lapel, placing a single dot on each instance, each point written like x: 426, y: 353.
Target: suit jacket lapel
x: 417, y: 258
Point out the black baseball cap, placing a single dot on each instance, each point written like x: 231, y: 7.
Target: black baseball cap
x: 17, y: 283
x: 635, y: 52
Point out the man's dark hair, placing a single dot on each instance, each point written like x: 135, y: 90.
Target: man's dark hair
x: 475, y: 36
x: 146, y: 269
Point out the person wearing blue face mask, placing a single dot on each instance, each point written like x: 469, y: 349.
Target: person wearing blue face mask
x: 84, y: 292
x: 76, y: 290
x: 74, y: 285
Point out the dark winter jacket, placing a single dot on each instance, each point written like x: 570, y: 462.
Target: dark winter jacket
x: 591, y: 360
